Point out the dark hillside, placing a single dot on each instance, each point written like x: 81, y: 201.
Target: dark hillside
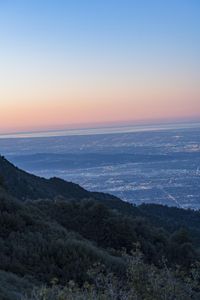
x: 38, y: 249
x: 60, y: 232
x: 27, y: 186
x: 24, y: 186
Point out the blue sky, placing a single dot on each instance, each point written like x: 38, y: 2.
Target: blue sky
x: 97, y: 50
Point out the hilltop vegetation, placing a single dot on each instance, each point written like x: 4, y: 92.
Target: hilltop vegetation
x: 90, y: 245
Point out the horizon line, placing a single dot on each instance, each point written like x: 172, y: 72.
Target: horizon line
x: 108, y: 128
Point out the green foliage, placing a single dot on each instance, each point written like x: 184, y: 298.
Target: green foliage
x: 2, y: 182
x: 143, y: 282
x: 32, y: 245
x: 12, y: 287
x: 111, y: 230
x: 79, y: 238
x: 56, y: 239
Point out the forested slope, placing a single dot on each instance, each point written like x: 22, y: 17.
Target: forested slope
x: 57, y: 240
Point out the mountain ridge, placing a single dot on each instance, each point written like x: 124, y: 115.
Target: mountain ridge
x: 55, y: 230
x: 24, y: 185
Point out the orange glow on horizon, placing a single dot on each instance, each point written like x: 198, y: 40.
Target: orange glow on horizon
x: 52, y: 114
x: 48, y: 105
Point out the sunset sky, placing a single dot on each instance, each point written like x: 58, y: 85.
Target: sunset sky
x: 69, y: 63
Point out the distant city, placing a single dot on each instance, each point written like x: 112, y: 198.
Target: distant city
x: 151, y: 164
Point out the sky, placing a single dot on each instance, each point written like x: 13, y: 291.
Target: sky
x: 76, y: 63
